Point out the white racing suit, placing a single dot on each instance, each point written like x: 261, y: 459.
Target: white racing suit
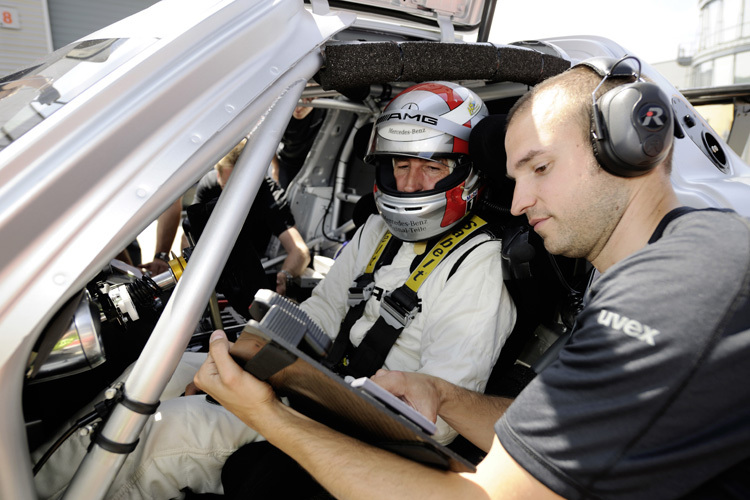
x: 464, y: 322
x: 457, y: 336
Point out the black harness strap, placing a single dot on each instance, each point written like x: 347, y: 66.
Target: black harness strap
x: 383, y: 255
x: 461, y: 259
x: 113, y: 447
x: 365, y: 360
x: 398, y: 308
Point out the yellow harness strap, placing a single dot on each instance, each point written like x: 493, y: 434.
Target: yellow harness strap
x: 443, y: 247
x: 378, y: 252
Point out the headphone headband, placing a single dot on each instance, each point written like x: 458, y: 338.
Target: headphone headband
x: 611, y: 67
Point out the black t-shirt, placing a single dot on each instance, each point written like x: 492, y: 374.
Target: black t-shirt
x: 299, y: 136
x: 650, y: 397
x: 208, y: 188
x: 296, y: 142
x: 269, y: 213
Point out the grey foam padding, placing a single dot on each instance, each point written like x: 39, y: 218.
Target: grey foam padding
x: 353, y: 65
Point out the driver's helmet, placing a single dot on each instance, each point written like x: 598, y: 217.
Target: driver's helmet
x: 430, y: 120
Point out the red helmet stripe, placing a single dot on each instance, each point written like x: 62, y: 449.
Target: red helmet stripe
x: 451, y: 98
x: 455, y: 205
x: 460, y: 146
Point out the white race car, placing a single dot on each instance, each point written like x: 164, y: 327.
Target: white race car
x: 99, y: 138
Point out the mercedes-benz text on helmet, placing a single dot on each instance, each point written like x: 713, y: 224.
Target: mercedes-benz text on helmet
x: 430, y: 121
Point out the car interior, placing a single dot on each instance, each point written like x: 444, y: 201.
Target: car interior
x: 547, y: 290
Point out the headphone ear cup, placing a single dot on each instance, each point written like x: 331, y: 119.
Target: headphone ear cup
x: 632, y: 129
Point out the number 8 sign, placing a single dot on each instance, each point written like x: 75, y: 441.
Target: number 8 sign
x: 9, y: 18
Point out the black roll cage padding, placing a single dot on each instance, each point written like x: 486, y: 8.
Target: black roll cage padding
x: 349, y: 65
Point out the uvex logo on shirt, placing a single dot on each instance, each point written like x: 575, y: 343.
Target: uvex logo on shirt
x: 631, y: 327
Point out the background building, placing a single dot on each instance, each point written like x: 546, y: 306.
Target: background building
x: 720, y: 58
x: 24, y: 33
x: 721, y: 55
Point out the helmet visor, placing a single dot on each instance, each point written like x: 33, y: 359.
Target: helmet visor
x: 438, y: 173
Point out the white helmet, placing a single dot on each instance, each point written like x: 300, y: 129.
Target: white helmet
x: 428, y: 120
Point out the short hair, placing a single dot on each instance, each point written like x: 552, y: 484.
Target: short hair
x: 576, y: 85
x: 230, y: 158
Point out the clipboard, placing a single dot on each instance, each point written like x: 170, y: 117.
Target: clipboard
x: 291, y: 353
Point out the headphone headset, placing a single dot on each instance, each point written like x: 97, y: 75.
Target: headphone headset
x: 632, y: 125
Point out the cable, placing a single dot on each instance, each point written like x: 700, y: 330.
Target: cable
x: 575, y: 296
x: 486, y: 203
x: 80, y: 423
x: 323, y: 221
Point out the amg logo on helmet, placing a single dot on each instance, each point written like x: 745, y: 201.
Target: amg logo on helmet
x: 628, y: 326
x: 408, y: 117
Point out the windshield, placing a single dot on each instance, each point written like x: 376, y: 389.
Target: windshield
x: 29, y: 96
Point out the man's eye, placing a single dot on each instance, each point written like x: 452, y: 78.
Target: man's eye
x: 540, y: 169
x: 435, y: 167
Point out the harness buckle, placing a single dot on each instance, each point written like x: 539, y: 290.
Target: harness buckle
x: 360, y: 291
x: 398, y: 308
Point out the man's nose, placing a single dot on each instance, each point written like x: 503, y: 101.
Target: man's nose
x: 522, y: 199
x: 413, y: 181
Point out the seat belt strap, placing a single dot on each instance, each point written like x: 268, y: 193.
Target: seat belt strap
x: 360, y: 292
x: 400, y: 306
x: 363, y: 285
x: 369, y: 356
x: 397, y: 309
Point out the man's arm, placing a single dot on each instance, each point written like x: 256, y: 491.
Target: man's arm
x: 297, y: 259
x: 166, y: 229
x: 470, y: 413
x: 465, y: 324
x: 327, y: 304
x: 275, y: 168
x: 346, y: 467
